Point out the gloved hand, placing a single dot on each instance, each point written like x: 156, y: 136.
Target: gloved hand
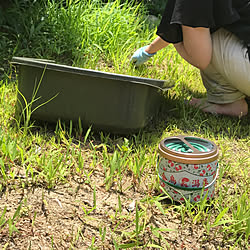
x: 141, y: 56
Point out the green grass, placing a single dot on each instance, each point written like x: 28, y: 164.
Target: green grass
x: 65, y: 186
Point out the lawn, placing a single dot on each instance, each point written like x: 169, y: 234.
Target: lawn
x: 65, y: 187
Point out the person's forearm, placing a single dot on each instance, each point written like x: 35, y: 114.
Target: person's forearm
x: 156, y: 45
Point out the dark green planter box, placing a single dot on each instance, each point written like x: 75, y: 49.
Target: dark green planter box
x: 110, y: 102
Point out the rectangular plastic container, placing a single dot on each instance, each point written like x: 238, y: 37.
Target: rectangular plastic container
x: 109, y: 102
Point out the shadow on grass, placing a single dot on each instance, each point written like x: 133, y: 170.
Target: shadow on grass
x: 179, y: 117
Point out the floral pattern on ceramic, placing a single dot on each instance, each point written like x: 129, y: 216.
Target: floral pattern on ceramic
x: 185, y: 179
x: 192, y: 195
x: 206, y: 169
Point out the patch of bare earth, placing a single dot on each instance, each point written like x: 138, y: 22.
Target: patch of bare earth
x: 62, y: 218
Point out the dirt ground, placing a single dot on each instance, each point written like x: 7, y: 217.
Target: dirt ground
x: 56, y: 218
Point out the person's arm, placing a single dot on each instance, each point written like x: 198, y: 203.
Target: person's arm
x: 145, y: 53
x: 196, y: 47
x: 156, y: 45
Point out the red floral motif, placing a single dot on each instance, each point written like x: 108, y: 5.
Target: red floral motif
x: 164, y: 168
x: 163, y: 184
x: 205, y: 182
x: 184, y: 182
x: 196, y: 167
x: 175, y: 192
x: 178, y: 168
x: 182, y: 199
x: 195, y: 183
x: 172, y: 179
x: 209, y: 167
x: 203, y: 172
x: 164, y: 177
x: 197, y: 198
x: 170, y: 163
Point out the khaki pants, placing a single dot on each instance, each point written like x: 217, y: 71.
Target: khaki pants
x: 227, y: 77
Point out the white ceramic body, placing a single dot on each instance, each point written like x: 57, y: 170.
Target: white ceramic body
x: 185, y: 179
x: 193, y: 195
x: 205, y: 169
x: 180, y: 183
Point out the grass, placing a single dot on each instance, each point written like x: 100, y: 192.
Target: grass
x: 69, y: 187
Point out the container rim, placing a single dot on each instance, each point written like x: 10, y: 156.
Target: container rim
x: 195, y: 157
x: 51, y: 65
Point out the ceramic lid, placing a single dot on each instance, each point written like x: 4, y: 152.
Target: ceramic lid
x: 188, y: 149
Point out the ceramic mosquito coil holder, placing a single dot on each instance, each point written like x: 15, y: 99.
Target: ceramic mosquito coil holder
x: 188, y: 167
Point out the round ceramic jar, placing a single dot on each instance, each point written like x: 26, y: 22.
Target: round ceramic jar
x: 187, y: 163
